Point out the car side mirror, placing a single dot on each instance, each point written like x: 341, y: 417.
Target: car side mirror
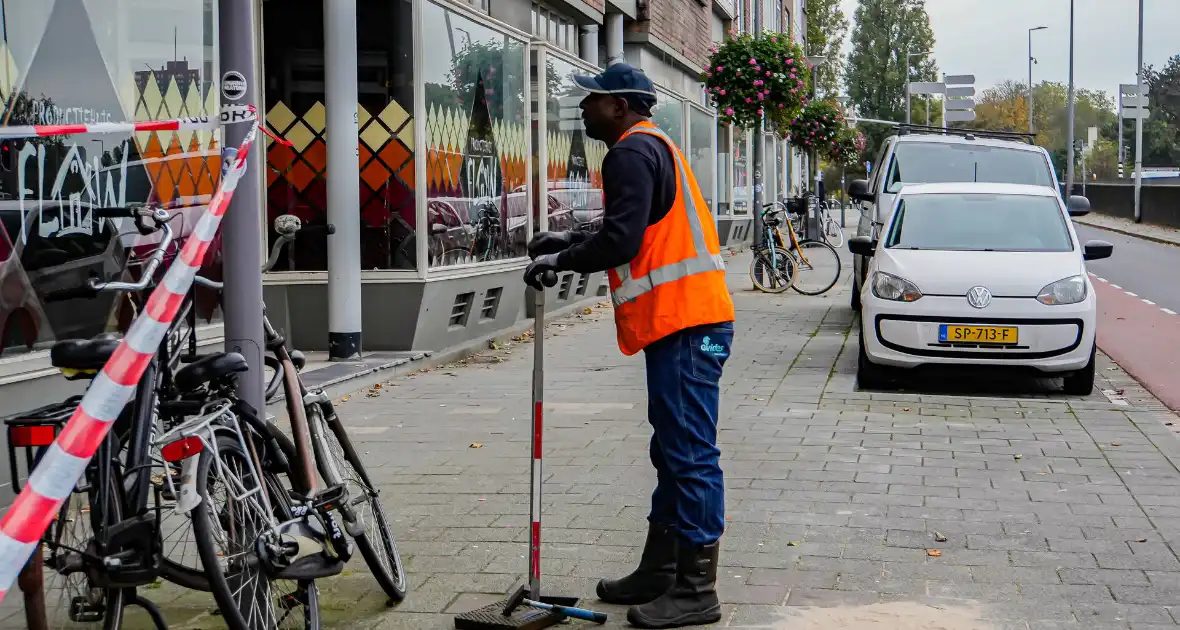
x: 858, y: 189
x: 1078, y: 206
x: 1097, y: 250
x: 862, y: 246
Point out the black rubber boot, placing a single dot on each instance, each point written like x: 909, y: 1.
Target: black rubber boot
x: 692, y: 600
x: 655, y: 575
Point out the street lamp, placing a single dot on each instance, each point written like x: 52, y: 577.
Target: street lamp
x: 907, y: 87
x: 1031, y: 61
x: 1069, y: 142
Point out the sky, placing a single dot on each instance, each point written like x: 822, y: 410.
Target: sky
x: 989, y: 38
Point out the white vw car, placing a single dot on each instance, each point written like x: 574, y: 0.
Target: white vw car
x: 979, y: 275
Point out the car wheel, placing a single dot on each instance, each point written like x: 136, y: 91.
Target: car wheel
x: 869, y: 375
x: 1081, y: 383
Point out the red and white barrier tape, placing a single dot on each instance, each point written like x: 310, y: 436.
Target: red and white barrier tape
x: 229, y: 115
x: 54, y: 478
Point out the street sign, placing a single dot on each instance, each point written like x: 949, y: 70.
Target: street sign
x: 1134, y: 113
x: 960, y: 92
x: 959, y: 79
x: 953, y: 115
x: 960, y: 104
x: 926, y: 87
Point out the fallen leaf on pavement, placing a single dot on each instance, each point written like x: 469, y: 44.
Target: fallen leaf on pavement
x: 1017, y: 456
x: 791, y: 543
x: 344, y: 399
x: 933, y: 553
x: 476, y: 445
x: 1140, y: 540
x: 1115, y: 444
x: 905, y: 408
x: 938, y: 537
x: 587, y: 311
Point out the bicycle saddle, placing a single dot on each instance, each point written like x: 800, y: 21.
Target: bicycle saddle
x: 83, y: 355
x: 209, y: 368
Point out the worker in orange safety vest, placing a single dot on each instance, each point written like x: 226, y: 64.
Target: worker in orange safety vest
x: 658, y: 243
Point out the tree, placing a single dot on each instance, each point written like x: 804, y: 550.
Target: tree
x: 826, y: 28
x: 878, y: 68
x: 1161, y: 132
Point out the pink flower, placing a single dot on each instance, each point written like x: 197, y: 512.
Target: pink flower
x: 721, y: 92
x: 768, y: 73
x: 709, y: 75
x: 766, y: 92
x: 749, y: 100
x: 753, y: 61
x: 780, y: 105
x: 720, y: 68
x: 738, y: 72
x: 760, y: 111
x: 729, y: 111
x: 758, y: 83
x: 758, y: 68
x: 793, y: 90
x: 790, y: 60
x: 792, y: 75
x: 761, y: 96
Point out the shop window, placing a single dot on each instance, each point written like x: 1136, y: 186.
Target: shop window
x: 702, y: 151
x: 575, y: 160
x: 88, y: 62
x: 476, y: 123
x: 297, y: 176
x: 668, y: 114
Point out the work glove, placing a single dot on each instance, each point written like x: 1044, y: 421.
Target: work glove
x: 532, y: 273
x: 551, y: 243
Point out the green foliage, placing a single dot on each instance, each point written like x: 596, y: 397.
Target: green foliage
x: 1161, y: 132
x: 885, y: 31
x: 499, y: 66
x: 817, y: 128
x: 747, y: 78
x: 826, y: 28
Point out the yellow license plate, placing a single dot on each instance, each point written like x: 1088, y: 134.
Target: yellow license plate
x: 977, y: 334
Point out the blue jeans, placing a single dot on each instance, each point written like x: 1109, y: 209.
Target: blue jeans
x: 683, y: 392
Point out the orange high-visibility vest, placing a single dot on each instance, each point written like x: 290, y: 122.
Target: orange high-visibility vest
x: 677, y: 280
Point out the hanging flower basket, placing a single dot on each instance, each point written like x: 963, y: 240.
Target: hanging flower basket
x: 817, y: 128
x: 850, y: 144
x: 748, y: 78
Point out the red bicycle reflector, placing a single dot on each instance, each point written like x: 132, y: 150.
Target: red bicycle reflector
x: 31, y: 436
x: 182, y: 449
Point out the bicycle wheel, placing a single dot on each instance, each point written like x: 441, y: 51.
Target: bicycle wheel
x: 819, y: 267
x: 227, y: 528
x: 833, y: 233
x: 339, y: 463
x: 773, y: 276
x: 70, y: 600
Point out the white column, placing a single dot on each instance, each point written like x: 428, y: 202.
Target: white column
x: 614, y: 38
x: 588, y: 46
x: 343, y: 175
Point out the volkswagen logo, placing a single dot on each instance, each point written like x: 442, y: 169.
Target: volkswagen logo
x: 979, y: 297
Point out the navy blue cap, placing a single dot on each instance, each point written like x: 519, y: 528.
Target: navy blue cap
x: 621, y: 79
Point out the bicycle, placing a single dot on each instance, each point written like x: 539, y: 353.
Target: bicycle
x: 773, y: 269
x: 107, y: 540
x: 832, y: 231
x: 122, y: 552
x: 485, y: 232
x: 818, y: 268
x: 315, y: 422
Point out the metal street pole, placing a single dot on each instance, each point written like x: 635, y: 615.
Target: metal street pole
x: 1069, y: 133
x: 1031, y: 61
x: 344, y: 247
x: 759, y: 146
x: 908, y: 95
x: 241, y: 231
x: 1139, y: 123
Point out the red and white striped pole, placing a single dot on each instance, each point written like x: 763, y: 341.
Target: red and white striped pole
x: 55, y: 476
x: 537, y: 478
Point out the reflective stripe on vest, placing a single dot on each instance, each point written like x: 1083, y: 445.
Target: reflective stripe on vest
x: 631, y: 288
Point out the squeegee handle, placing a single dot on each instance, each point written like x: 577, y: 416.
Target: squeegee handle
x: 577, y: 613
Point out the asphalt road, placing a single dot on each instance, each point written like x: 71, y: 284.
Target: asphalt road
x: 1146, y: 268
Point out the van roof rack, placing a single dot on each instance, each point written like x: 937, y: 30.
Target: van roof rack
x: 906, y: 129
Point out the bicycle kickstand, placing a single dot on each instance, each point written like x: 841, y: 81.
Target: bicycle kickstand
x: 132, y: 598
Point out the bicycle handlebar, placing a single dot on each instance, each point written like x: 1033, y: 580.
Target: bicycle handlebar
x: 159, y: 219
x: 288, y: 227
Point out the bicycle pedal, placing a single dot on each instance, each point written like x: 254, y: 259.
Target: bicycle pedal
x: 82, y: 611
x: 330, y: 498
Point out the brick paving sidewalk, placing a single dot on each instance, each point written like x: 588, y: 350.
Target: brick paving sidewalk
x: 1046, y: 511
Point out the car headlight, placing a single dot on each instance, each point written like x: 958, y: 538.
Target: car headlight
x: 890, y: 287
x: 1065, y: 291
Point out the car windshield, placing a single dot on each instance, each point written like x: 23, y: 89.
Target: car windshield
x: 939, y: 162
x: 979, y: 222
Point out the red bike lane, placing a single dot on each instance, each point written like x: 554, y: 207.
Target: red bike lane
x: 1142, y: 338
